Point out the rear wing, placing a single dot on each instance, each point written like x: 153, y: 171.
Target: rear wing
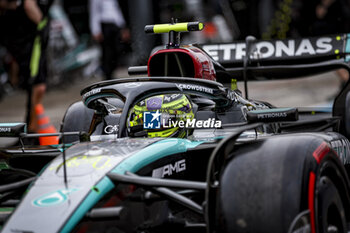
x: 289, y: 58
x: 282, y: 52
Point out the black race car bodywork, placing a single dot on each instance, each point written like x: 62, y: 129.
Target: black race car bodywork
x: 262, y: 169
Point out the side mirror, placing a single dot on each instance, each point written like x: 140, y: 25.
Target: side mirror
x: 12, y: 129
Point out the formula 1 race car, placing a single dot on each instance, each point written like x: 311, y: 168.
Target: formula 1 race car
x: 177, y: 151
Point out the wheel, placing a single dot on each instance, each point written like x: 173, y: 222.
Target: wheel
x: 331, y: 214
x: 76, y: 119
x: 263, y: 187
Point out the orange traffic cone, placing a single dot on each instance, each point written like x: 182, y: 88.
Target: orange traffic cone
x: 45, y: 126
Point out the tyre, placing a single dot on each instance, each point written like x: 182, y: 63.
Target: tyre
x: 331, y: 214
x: 265, y: 185
x: 76, y: 119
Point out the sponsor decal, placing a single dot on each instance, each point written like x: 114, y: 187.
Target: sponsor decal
x: 342, y: 148
x: 193, y: 87
x: 5, y: 130
x: 169, y: 169
x: 170, y: 98
x: 92, y: 92
x: 272, y: 115
x: 54, y: 198
x: 268, y: 49
x: 111, y: 129
x: 156, y: 120
x: 12, y: 129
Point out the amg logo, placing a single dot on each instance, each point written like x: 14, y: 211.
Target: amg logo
x: 169, y: 169
x: 272, y: 115
x: 266, y: 49
x: 5, y: 130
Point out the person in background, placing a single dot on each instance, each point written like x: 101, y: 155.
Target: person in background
x: 24, y: 29
x: 108, y: 27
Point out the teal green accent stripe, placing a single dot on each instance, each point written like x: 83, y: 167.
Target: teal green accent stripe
x: 105, y: 185
x: 59, y: 146
x: 347, y: 48
x: 154, y: 152
x: 133, y: 163
x: 271, y: 110
x: 9, y: 124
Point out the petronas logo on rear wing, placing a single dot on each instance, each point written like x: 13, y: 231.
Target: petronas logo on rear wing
x: 275, y: 50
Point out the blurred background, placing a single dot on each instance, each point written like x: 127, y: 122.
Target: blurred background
x: 73, y: 57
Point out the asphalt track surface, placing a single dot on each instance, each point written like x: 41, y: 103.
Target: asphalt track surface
x: 312, y: 91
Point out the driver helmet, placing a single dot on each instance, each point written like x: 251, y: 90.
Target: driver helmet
x: 170, y: 108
